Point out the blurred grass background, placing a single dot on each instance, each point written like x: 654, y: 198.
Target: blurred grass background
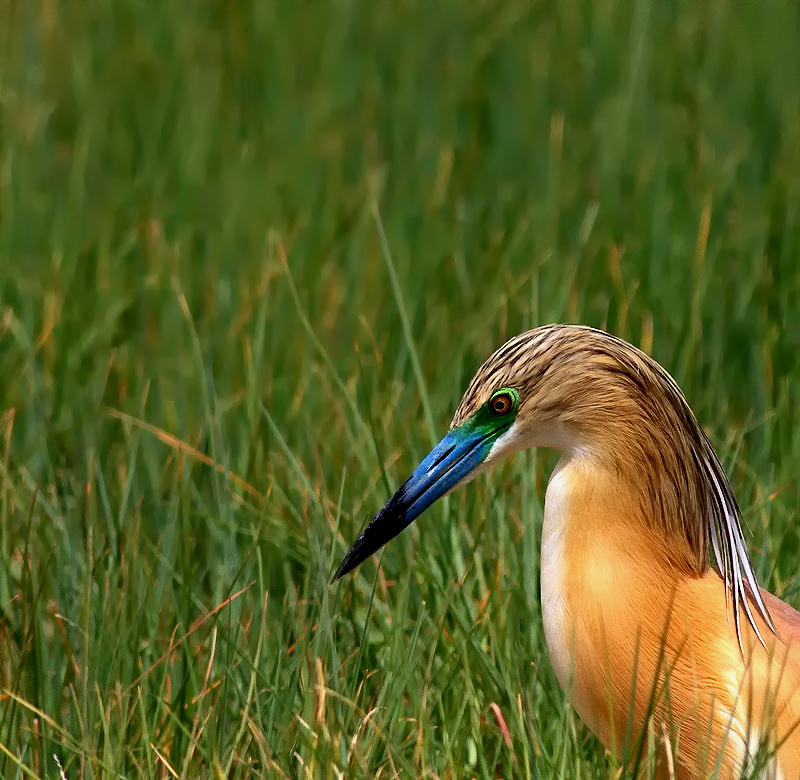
x: 213, y: 372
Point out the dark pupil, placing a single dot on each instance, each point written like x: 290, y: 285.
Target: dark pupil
x: 501, y: 404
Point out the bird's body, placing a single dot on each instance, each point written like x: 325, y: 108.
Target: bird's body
x: 609, y: 601
x: 652, y: 644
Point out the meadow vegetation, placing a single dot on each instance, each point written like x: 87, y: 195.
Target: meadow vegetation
x: 251, y: 252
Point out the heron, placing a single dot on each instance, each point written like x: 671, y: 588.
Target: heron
x: 653, y: 617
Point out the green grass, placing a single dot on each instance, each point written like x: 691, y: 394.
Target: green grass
x: 214, y: 370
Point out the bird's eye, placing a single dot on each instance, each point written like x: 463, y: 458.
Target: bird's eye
x: 501, y: 403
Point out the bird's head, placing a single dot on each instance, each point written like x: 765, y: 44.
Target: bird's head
x: 589, y: 395
x: 523, y: 396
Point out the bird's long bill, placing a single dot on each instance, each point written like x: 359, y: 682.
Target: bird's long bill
x: 447, y: 464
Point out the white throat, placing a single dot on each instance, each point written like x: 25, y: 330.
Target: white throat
x: 576, y: 456
x: 556, y: 614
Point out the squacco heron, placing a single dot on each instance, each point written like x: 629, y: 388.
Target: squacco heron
x: 644, y: 635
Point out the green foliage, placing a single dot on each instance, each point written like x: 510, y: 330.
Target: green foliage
x: 250, y: 254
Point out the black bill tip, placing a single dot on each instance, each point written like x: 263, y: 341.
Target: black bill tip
x: 388, y: 523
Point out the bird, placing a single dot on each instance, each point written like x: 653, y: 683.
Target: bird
x: 655, y: 625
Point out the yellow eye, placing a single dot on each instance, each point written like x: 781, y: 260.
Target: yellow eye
x: 501, y: 403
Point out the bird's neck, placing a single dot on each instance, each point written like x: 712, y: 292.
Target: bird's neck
x: 601, y: 566
x: 644, y: 482
x: 596, y: 514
